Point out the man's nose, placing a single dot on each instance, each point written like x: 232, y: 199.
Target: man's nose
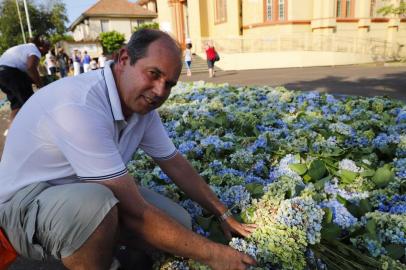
x: 160, y: 88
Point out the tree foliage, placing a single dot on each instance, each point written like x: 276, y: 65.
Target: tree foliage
x: 393, y: 9
x: 47, y: 20
x: 111, y: 41
x: 148, y: 25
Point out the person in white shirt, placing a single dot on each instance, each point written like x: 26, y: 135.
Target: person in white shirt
x: 18, y: 70
x: 188, y: 59
x: 102, y: 59
x: 64, y: 167
x: 50, y: 61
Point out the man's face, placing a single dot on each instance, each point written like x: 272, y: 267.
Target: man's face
x: 146, y: 85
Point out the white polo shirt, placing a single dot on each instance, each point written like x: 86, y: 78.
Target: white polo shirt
x: 17, y: 56
x: 74, y: 130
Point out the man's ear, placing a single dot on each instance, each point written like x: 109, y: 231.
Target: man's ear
x: 123, y: 56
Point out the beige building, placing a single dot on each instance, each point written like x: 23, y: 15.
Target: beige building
x: 108, y: 15
x: 284, y: 33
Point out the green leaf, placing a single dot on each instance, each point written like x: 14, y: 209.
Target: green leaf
x: 204, y: 222
x: 330, y: 232
x: 256, y: 190
x: 371, y: 229
x: 383, y: 176
x: 342, y: 200
x: 367, y: 173
x: 299, y: 189
x: 317, y: 169
x: 216, y: 233
x: 403, y: 187
x: 347, y: 176
x: 328, y: 216
x: 319, y: 185
x: 395, y: 251
x: 365, y: 206
x: 307, y: 178
x: 300, y: 169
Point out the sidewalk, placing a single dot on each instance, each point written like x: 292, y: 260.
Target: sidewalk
x: 365, y: 80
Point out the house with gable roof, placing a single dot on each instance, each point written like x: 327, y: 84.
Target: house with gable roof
x: 108, y: 15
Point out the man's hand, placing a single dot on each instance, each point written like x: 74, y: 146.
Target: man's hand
x: 226, y: 258
x: 231, y: 226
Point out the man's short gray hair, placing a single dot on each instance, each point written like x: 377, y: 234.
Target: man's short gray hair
x: 140, y: 40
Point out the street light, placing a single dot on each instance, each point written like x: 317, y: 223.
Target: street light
x: 28, y: 18
x: 21, y: 22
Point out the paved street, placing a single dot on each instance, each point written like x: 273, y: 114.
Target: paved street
x: 365, y: 80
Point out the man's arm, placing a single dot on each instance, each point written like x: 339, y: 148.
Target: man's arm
x: 32, y: 70
x: 186, y: 177
x: 162, y: 232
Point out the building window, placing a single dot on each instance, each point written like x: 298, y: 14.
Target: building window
x: 281, y: 8
x: 275, y: 10
x: 104, y: 25
x: 269, y: 10
x: 345, y: 8
x: 338, y: 14
x: 220, y: 11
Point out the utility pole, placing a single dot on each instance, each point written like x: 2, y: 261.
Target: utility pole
x: 21, y: 21
x: 28, y: 18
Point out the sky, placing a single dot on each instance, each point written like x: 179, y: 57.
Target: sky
x: 77, y: 7
x: 74, y: 8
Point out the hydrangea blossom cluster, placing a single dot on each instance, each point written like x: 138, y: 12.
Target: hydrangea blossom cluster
x: 283, y: 168
x: 341, y: 216
x: 395, y: 205
x: 243, y: 246
x: 302, y: 213
x: 349, y: 165
x: 236, y: 196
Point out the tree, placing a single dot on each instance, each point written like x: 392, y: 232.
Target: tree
x: 111, y: 41
x: 148, y: 25
x: 393, y: 9
x: 46, y: 20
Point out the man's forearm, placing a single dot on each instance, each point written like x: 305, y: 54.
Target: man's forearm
x: 34, y: 75
x: 163, y: 233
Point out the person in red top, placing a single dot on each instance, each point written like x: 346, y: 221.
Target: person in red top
x: 211, y: 56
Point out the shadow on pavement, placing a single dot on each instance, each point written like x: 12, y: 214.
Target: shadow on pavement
x: 391, y: 85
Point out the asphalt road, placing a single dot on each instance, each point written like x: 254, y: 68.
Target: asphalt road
x: 362, y: 80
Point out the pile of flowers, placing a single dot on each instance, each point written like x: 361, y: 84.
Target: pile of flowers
x: 323, y: 177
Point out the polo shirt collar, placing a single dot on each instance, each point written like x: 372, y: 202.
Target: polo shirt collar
x: 113, y: 92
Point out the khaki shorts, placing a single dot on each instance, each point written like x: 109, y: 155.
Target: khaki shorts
x: 42, y: 220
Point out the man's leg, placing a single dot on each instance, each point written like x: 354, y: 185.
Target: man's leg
x: 97, y: 251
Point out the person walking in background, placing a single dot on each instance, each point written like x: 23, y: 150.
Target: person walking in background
x: 18, y: 70
x: 50, y: 62
x: 188, y: 59
x: 76, y: 62
x: 102, y: 60
x: 86, y: 62
x: 210, y: 56
x: 63, y: 62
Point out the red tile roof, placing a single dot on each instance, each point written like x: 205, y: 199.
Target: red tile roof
x: 118, y: 7
x: 114, y: 8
